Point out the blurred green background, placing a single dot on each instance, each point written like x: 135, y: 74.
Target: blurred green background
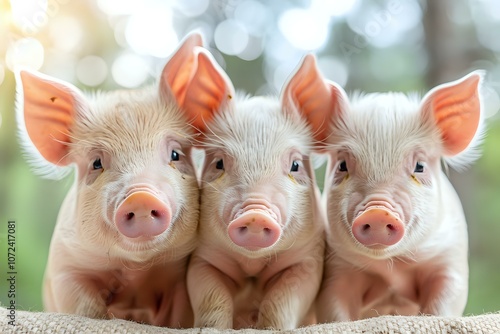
x: 399, y: 45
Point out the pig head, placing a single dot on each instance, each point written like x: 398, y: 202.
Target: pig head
x: 260, y: 254
x: 128, y: 224
x: 397, y: 234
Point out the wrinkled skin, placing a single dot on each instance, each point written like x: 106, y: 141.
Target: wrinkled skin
x: 260, y: 256
x: 127, y: 227
x: 397, y: 236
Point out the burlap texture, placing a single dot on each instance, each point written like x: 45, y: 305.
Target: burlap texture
x: 41, y: 322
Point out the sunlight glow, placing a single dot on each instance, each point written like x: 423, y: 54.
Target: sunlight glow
x: 130, y: 70
x: 254, y: 16
x: 333, y: 8
x: 119, y: 7
x: 149, y: 31
x: 193, y: 7
x: 26, y: 52
x: 91, y: 70
x: 29, y: 15
x: 66, y: 33
x: 303, y: 29
x: 231, y: 37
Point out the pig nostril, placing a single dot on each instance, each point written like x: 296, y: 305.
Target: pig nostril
x: 155, y: 213
x: 390, y: 227
x: 130, y: 215
x: 242, y: 229
x: 267, y: 230
x: 366, y: 227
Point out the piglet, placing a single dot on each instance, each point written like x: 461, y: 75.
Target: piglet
x: 397, y: 236
x: 259, y: 261
x: 128, y: 225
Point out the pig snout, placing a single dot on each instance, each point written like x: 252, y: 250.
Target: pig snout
x: 255, y: 227
x: 377, y: 228
x: 142, y: 214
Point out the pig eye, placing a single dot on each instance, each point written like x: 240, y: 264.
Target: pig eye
x: 97, y: 164
x: 343, y: 166
x: 295, y: 166
x: 419, y: 168
x: 219, y: 164
x: 174, y: 156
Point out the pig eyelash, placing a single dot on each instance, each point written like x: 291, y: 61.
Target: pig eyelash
x: 212, y: 186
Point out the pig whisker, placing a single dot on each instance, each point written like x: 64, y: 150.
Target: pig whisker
x: 390, y: 264
x: 146, y: 265
x: 215, y: 141
x: 407, y: 258
x: 212, y: 186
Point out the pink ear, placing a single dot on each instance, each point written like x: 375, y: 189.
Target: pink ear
x: 49, y: 112
x: 308, y: 93
x: 196, y: 81
x: 179, y: 69
x: 455, y: 108
x: 208, y: 90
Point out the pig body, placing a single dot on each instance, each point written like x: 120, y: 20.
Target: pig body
x: 254, y: 285
x: 397, y: 236
x: 261, y: 245
x: 128, y: 225
x: 92, y: 267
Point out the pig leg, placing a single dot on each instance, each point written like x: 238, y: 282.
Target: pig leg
x: 77, y: 295
x: 340, y: 298
x: 443, y: 293
x: 287, y: 301
x: 210, y: 297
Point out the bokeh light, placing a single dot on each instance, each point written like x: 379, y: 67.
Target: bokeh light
x: 130, y: 70
x: 66, y: 33
x: 253, y: 50
x: 119, y: 7
x: 61, y: 65
x: 193, y: 7
x: 255, y: 17
x: 29, y: 15
x: 92, y: 70
x: 119, y: 27
x: 27, y: 52
x: 333, y: 8
x: 231, y: 37
x: 333, y: 69
x: 303, y: 29
x: 149, y: 31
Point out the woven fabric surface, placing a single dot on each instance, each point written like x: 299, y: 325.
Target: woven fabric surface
x: 41, y: 322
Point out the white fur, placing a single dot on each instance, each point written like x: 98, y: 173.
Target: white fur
x: 381, y: 136
x: 257, y: 141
